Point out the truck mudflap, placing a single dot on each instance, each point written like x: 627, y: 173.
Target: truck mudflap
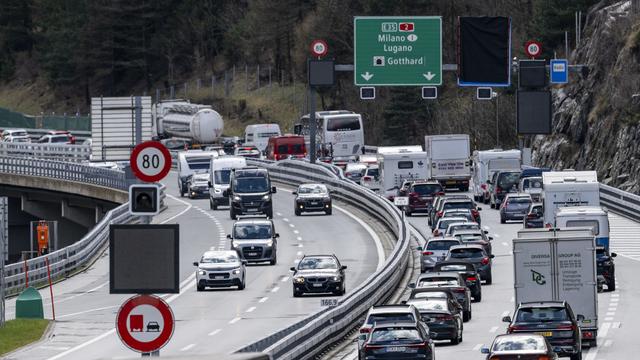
x: 589, y: 336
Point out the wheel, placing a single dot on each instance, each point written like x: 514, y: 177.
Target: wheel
x: 328, y: 211
x: 461, y: 331
x: 214, y: 204
x: 478, y: 298
x: 492, y: 205
x: 269, y: 214
x: 296, y: 294
x: 342, y: 291
x: 488, y: 279
x: 502, y: 220
x: 199, y: 287
x: 455, y: 340
x: 242, y: 284
x: 611, y: 286
x: 274, y: 261
x: 466, y: 316
x: 181, y: 193
x: 577, y: 356
x: 485, y: 200
x: 232, y: 214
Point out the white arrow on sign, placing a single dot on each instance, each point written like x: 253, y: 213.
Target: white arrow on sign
x: 429, y: 75
x: 367, y: 76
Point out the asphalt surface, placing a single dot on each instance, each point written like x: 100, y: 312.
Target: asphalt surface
x: 217, y: 320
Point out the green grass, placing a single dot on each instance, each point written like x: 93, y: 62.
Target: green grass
x: 20, y: 332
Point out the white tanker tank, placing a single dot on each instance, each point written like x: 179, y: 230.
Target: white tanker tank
x: 182, y: 119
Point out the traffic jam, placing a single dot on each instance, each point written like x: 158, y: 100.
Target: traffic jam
x: 447, y: 186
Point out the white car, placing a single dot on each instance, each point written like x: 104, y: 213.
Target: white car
x: 14, y: 132
x: 443, y: 224
x: 461, y: 226
x: 16, y: 139
x: 371, y: 178
x: 220, y: 269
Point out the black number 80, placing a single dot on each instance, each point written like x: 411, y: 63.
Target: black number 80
x: 153, y: 160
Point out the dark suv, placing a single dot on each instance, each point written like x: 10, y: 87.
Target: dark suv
x: 552, y: 319
x: 398, y: 341
x: 250, y: 192
x: 606, y: 268
x: 502, y: 183
x: 421, y: 194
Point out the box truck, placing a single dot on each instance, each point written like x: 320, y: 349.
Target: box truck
x: 486, y: 162
x: 449, y: 159
x: 555, y: 264
x: 568, y: 188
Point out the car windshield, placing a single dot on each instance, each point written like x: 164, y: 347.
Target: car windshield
x: 312, y: 189
x: 445, y: 222
x: 439, y: 280
x: 532, y: 184
x: 515, y: 343
x: 464, y: 227
x: 390, y: 317
x: 219, y: 259
x: 429, y: 304
x: 431, y: 295
x: 458, y: 205
x: 395, y: 336
x: 519, y: 201
x: 199, y: 163
x: 257, y: 184
x: 441, y: 244
x: 426, y: 189
x: 466, y: 253
x: 468, y: 237
x: 507, y: 180
x: 372, y: 172
x: 343, y: 124
x: 318, y: 263
x: 222, y: 176
x: 251, y: 231
x: 199, y: 178
x: 21, y: 139
x: 541, y: 314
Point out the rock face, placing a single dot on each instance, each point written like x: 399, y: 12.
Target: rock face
x: 596, y: 124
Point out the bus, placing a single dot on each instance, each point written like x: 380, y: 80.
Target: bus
x: 339, y: 133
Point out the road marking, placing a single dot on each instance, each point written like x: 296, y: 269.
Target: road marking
x: 189, y: 206
x: 251, y: 309
x: 486, y: 227
x: 235, y: 320
x: 615, y: 325
x: 296, y: 232
x: 610, y: 313
x: 604, y: 329
x: 608, y: 319
x: 285, y: 219
x: 275, y: 289
x: 505, y: 244
x: 614, y: 300
x: 55, y: 348
x: 300, y: 245
x: 291, y: 225
x: 285, y: 279
x: 187, y: 347
x: 88, y: 311
x: 299, y: 253
x: 373, y: 234
x: 607, y: 343
x: 615, y: 295
x: 214, y: 332
x: 493, y: 329
x: 496, y: 235
x: 477, y: 347
x: 506, y: 313
x: 279, y: 214
x: 613, y: 308
x: 591, y: 354
x: 263, y: 299
x: 512, y: 299
x: 299, y: 238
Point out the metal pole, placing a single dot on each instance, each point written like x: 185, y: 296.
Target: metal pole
x: 497, y: 131
x: 138, y: 120
x: 312, y: 124
x: 576, y: 29
x: 258, y: 76
x: 157, y: 95
x: 566, y: 45
x: 269, y: 75
x: 2, y: 256
x: 213, y: 84
x: 185, y: 90
x: 53, y: 308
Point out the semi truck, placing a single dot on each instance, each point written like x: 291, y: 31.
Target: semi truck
x: 559, y: 264
x: 182, y: 119
x: 448, y: 159
x: 568, y: 188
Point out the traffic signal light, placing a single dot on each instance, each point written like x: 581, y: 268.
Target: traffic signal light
x: 144, y: 199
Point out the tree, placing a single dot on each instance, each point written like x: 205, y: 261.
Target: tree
x: 406, y: 117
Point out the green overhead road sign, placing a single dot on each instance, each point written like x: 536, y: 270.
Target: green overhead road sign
x: 397, y: 51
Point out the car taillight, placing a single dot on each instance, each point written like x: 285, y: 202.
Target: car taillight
x: 414, y: 195
x: 544, y: 357
x: 436, y: 232
x: 439, y: 213
x: 366, y: 178
x: 498, y: 190
x: 365, y: 330
x: 483, y: 186
x: 485, y: 261
x: 440, y: 193
x: 513, y: 328
x: 417, y: 345
x: 472, y: 278
x: 427, y: 253
x: 371, y: 347
x: 494, y: 358
x: 444, y: 317
x: 531, y: 216
x: 547, y: 226
x: 475, y: 213
x: 587, y: 334
x: 459, y: 290
x: 566, y: 327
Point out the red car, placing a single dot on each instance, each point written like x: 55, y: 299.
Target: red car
x: 421, y: 194
x: 72, y: 139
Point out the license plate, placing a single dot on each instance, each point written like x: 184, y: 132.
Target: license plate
x: 252, y: 254
x: 451, y: 182
x: 252, y: 210
x: 317, y: 285
x: 219, y: 277
x: 397, y: 349
x: 314, y: 203
x: 545, y: 333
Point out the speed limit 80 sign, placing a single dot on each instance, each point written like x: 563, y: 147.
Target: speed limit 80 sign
x: 150, y: 161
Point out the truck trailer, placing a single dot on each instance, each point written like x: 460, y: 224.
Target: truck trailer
x: 448, y: 159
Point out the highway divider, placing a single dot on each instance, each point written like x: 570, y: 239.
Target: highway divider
x: 308, y: 337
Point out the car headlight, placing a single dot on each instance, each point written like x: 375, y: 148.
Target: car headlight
x: 269, y: 243
x: 336, y: 278
x: 202, y: 272
x: 236, y: 198
x: 235, y: 244
x: 236, y: 271
x: 217, y: 191
x: 298, y: 280
x: 266, y: 198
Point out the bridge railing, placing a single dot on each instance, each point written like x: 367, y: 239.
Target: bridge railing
x: 308, y: 337
x: 65, y: 152
x: 620, y: 202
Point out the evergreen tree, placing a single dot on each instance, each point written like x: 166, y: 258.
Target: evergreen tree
x: 406, y: 117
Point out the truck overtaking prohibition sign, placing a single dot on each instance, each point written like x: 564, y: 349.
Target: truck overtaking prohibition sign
x: 145, y: 323
x: 150, y: 161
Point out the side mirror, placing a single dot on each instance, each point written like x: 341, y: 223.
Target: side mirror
x: 273, y: 190
x: 484, y: 350
x: 195, y: 263
x: 419, y: 248
x: 228, y: 236
x: 490, y: 238
x: 479, y: 208
x: 245, y: 262
x: 488, y: 181
x: 506, y: 319
x: 492, y: 256
x: 412, y: 285
x: 294, y: 193
x: 614, y: 254
x: 580, y: 317
x: 276, y: 235
x: 292, y: 269
x: 486, y: 231
x: 209, y: 182
x: 225, y: 193
x: 343, y: 267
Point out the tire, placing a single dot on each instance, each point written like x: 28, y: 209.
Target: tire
x: 297, y: 212
x: 296, y: 294
x: 502, y: 220
x: 461, y: 331
x: 466, y: 316
x: 478, y: 298
x: 328, y: 212
x: 242, y: 284
x: 269, y: 214
x: 274, y: 261
x: 455, y: 340
x: 214, y: 204
x: 232, y: 214
x: 611, y: 286
x: 199, y: 288
x: 489, y: 279
x: 577, y: 356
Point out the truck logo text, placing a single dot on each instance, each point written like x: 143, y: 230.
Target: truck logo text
x: 538, y: 278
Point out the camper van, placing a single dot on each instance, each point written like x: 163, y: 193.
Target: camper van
x: 259, y: 134
x: 486, y: 162
x: 568, y: 188
x: 594, y: 217
x: 403, y: 164
x: 220, y: 173
x: 192, y: 162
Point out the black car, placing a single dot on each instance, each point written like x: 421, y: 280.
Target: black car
x: 535, y: 217
x: 606, y: 268
x: 312, y: 197
x: 319, y: 274
x: 398, y: 341
x: 443, y: 316
x: 250, y: 192
x: 475, y: 254
x: 552, y: 319
x: 468, y: 272
x: 448, y: 280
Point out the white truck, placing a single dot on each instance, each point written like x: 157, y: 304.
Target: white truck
x: 397, y: 165
x: 568, y: 188
x: 486, y: 162
x: 554, y: 264
x: 448, y: 159
x: 220, y: 173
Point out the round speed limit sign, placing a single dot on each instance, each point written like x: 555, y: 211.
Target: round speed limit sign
x: 150, y: 161
x: 532, y: 48
x: 319, y: 48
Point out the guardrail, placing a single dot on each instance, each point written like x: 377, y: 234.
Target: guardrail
x: 311, y: 335
x: 621, y: 202
x: 73, y: 153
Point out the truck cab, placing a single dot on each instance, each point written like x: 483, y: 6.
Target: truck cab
x: 250, y: 192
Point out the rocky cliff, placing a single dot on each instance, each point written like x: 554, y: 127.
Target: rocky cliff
x: 596, y: 124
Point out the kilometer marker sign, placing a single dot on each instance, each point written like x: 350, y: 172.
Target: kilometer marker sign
x: 397, y: 51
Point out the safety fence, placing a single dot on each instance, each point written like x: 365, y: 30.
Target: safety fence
x: 308, y: 337
x: 620, y: 202
x: 63, y: 152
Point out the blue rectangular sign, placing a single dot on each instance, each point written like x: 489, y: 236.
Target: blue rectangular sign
x: 559, y: 71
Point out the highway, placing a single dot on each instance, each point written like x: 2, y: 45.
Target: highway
x: 219, y: 320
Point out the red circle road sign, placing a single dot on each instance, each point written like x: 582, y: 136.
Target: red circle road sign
x: 145, y: 323
x: 319, y: 48
x: 533, y: 48
x: 150, y: 161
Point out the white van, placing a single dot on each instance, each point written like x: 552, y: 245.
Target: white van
x: 192, y: 162
x: 594, y: 217
x: 259, y: 134
x: 568, y: 188
x: 486, y: 162
x: 220, y: 172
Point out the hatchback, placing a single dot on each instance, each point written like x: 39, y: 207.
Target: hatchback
x: 515, y: 207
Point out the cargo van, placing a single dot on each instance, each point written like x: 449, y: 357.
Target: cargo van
x: 568, y: 188
x: 192, y: 162
x: 281, y: 147
x: 220, y: 173
x: 259, y: 134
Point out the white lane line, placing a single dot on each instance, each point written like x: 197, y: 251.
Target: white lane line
x: 506, y: 313
x: 251, y: 309
x: 296, y: 232
x: 285, y: 279
x: 505, y: 244
x: 88, y: 311
x: 54, y: 348
x: 263, y: 299
x: 279, y: 214
x: 187, y: 347
x: 615, y: 325
x: 610, y: 313
x: 496, y: 235
x: 285, y: 219
x: 613, y: 308
x: 603, y: 330
x: 591, y: 354
x: 607, y: 343
x: 614, y: 300
x: 608, y: 319
x: 214, y: 332
x: 300, y: 245
x: 477, y: 347
x: 512, y: 299
x: 85, y: 344
x: 291, y: 225
x: 299, y: 253
x: 486, y: 227
x: 189, y: 206
x: 374, y: 236
x: 275, y: 289
x: 493, y: 329
x: 235, y: 320
x: 299, y: 238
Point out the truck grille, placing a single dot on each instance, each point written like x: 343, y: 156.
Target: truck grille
x: 255, y: 253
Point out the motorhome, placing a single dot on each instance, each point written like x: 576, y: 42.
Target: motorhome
x: 259, y: 134
x: 594, y: 217
x: 568, y: 188
x: 400, y: 165
x: 192, y: 162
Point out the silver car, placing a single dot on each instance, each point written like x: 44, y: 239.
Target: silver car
x: 220, y: 269
x: 255, y: 240
x: 435, y: 250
